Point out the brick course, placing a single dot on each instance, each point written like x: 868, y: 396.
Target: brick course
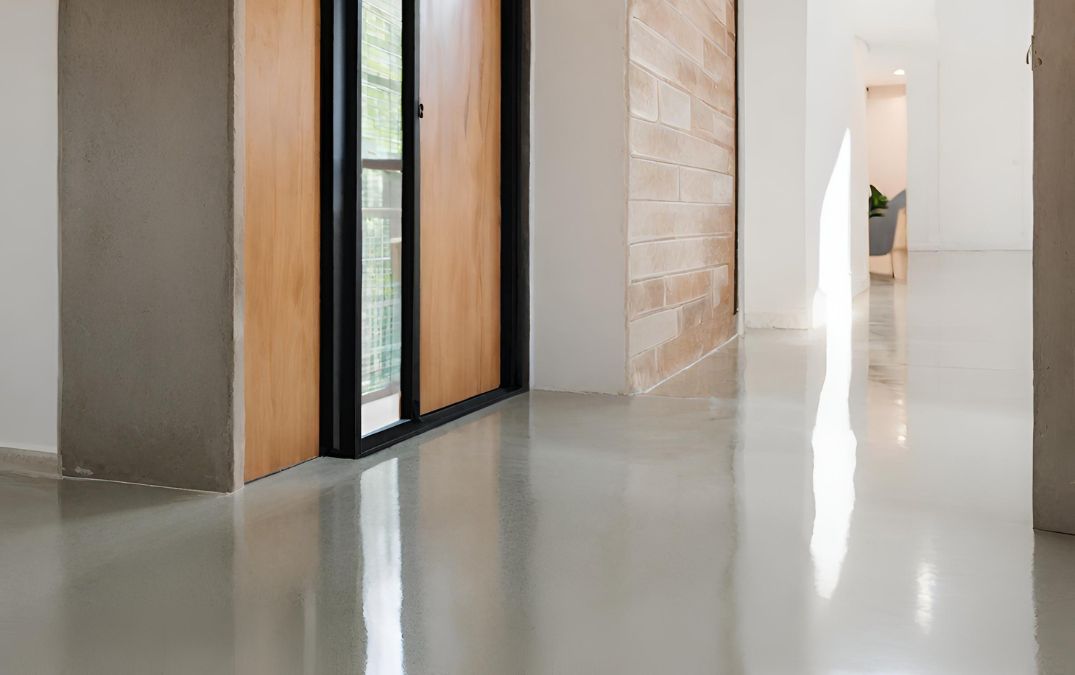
x: 681, y: 210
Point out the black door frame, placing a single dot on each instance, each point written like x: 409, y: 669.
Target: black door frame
x: 341, y: 245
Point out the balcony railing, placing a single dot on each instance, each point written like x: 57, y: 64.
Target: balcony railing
x: 382, y: 220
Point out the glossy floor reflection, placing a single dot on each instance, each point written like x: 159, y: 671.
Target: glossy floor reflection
x: 854, y: 500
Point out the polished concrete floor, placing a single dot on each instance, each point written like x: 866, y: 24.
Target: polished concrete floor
x: 848, y: 500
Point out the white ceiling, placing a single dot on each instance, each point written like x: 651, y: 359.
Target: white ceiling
x: 892, y: 29
x: 895, y: 22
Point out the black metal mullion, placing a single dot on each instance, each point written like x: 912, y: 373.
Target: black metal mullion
x: 382, y: 164
x: 341, y: 244
x: 353, y: 245
x: 410, y: 375
x: 514, y: 196
x: 329, y: 344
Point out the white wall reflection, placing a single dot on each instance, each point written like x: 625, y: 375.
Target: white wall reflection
x: 382, y: 569
x: 834, y: 443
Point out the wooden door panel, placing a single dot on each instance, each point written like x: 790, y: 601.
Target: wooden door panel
x: 460, y: 72
x: 281, y: 233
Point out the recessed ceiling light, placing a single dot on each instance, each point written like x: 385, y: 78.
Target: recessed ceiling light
x: 899, y: 71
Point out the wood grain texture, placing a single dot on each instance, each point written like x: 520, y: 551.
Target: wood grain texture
x: 281, y: 243
x: 460, y: 208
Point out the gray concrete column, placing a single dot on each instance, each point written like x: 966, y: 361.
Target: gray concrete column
x: 1054, y: 271
x: 148, y: 256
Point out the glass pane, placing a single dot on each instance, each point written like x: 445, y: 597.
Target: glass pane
x: 382, y: 211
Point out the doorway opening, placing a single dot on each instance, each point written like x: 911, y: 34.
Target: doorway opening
x: 886, y: 129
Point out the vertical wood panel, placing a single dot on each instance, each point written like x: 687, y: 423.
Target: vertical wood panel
x: 460, y: 72
x: 282, y: 240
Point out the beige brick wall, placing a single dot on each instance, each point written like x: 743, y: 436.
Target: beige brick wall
x: 681, y: 211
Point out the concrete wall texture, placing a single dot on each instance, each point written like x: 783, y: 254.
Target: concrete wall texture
x: 1054, y: 286
x: 147, y: 246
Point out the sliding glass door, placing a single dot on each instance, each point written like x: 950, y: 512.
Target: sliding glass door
x: 382, y: 261
x: 423, y: 251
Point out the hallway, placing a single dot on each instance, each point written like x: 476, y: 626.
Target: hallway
x: 797, y: 503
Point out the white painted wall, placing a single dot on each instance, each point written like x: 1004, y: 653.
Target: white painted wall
x: 803, y: 93
x: 860, y: 174
x: 579, y: 196
x: 835, y: 97
x: 887, y: 138
x: 923, y: 143
x: 772, y: 133
x: 985, y: 124
x: 969, y: 117
x: 29, y: 294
